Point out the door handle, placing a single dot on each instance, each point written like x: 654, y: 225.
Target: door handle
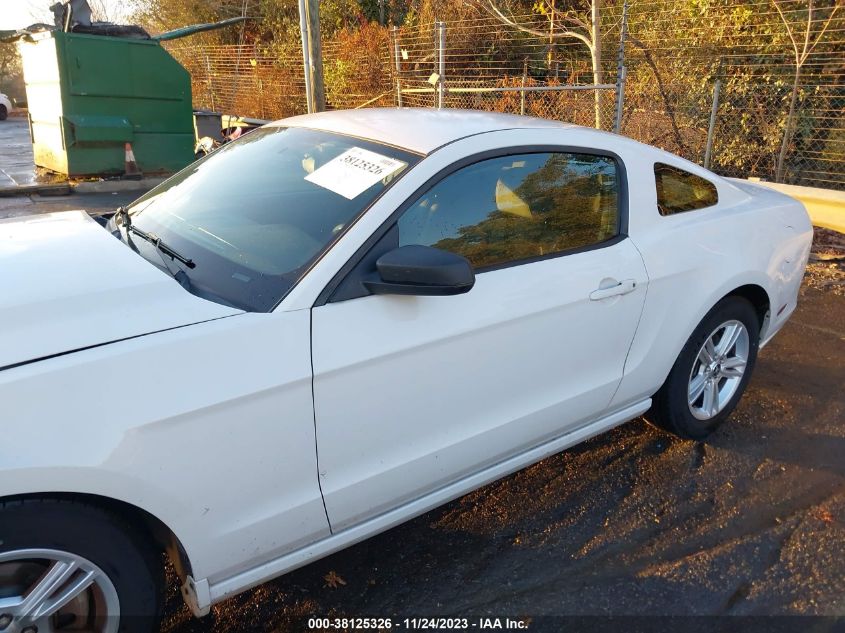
x: 622, y: 288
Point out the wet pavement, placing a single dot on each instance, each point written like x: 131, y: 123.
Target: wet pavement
x: 633, y: 522
x: 16, y: 160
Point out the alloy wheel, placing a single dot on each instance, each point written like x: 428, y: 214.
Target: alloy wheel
x: 718, y: 369
x: 50, y: 591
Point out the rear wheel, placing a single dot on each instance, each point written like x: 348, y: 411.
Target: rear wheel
x: 66, y: 566
x: 3, y: 113
x: 711, y: 372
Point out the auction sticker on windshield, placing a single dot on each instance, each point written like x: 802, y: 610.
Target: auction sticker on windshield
x: 354, y: 171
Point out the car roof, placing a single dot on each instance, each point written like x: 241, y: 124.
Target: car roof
x: 420, y: 130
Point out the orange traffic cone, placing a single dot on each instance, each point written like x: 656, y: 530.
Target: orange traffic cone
x: 130, y: 169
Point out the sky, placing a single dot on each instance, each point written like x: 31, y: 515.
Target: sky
x: 15, y: 14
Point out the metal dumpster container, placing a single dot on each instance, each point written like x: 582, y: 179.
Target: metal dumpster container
x: 89, y: 95
x: 92, y: 88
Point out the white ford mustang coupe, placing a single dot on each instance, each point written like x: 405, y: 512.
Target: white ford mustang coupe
x: 343, y: 320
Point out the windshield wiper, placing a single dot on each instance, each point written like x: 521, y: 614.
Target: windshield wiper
x: 126, y: 222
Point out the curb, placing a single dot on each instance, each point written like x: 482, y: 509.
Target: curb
x: 58, y: 189
x: 117, y: 186
x: 67, y: 188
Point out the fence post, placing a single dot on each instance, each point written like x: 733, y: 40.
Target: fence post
x: 708, y: 152
x: 522, y: 92
x: 261, y: 92
x: 621, y: 71
x: 210, y: 83
x: 441, y: 82
x: 397, y: 60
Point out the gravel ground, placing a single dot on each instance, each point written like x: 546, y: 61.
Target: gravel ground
x: 633, y: 522
x: 827, y: 262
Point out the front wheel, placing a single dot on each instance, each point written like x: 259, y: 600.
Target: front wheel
x: 3, y: 113
x: 65, y: 566
x: 711, y: 372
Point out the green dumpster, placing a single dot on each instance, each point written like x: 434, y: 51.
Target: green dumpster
x: 91, y: 94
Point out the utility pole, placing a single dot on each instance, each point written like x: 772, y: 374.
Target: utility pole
x: 306, y: 63
x: 315, y: 55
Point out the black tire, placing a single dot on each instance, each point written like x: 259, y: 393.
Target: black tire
x: 670, y: 408
x: 3, y: 113
x: 130, y: 561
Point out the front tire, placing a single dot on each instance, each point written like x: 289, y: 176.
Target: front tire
x: 3, y: 113
x: 711, y: 372
x: 67, y: 565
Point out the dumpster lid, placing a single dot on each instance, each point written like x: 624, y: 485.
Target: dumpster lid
x: 197, y: 28
x: 74, y: 16
x: 9, y: 37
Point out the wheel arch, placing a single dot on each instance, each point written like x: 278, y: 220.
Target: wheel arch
x: 758, y: 297
x: 151, y: 527
x: 750, y: 290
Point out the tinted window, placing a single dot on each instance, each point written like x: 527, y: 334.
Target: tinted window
x: 518, y: 207
x: 255, y: 214
x: 678, y: 190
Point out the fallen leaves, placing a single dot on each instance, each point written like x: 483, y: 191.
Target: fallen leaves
x: 826, y: 268
x: 333, y: 580
x: 824, y: 515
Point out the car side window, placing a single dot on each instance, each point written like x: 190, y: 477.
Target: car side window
x: 518, y: 207
x: 679, y: 190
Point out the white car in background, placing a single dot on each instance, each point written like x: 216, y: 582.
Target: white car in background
x: 5, y: 106
x: 343, y: 320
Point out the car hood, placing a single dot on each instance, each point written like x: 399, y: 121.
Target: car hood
x: 67, y: 284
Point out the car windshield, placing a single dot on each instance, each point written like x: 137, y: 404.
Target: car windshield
x: 254, y: 215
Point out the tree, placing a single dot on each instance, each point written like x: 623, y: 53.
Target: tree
x: 801, y: 52
x: 10, y: 62
x: 11, y: 72
x: 103, y: 11
x: 565, y: 23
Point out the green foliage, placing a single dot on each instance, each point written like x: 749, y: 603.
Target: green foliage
x: 676, y: 52
x: 10, y: 71
x: 681, y: 48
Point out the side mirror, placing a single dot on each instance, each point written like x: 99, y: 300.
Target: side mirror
x: 422, y: 271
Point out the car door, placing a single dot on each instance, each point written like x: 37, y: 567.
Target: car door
x: 413, y: 393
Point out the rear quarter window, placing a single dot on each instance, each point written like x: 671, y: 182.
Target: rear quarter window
x: 679, y: 191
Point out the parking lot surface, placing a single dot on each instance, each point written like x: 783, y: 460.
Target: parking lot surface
x: 633, y: 522
x: 16, y: 162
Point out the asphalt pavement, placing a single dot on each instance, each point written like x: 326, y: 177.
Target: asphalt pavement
x: 16, y: 160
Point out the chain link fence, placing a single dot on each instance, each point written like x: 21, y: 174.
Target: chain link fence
x: 727, y: 71
x: 713, y: 83
x: 269, y: 83
x: 244, y: 80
